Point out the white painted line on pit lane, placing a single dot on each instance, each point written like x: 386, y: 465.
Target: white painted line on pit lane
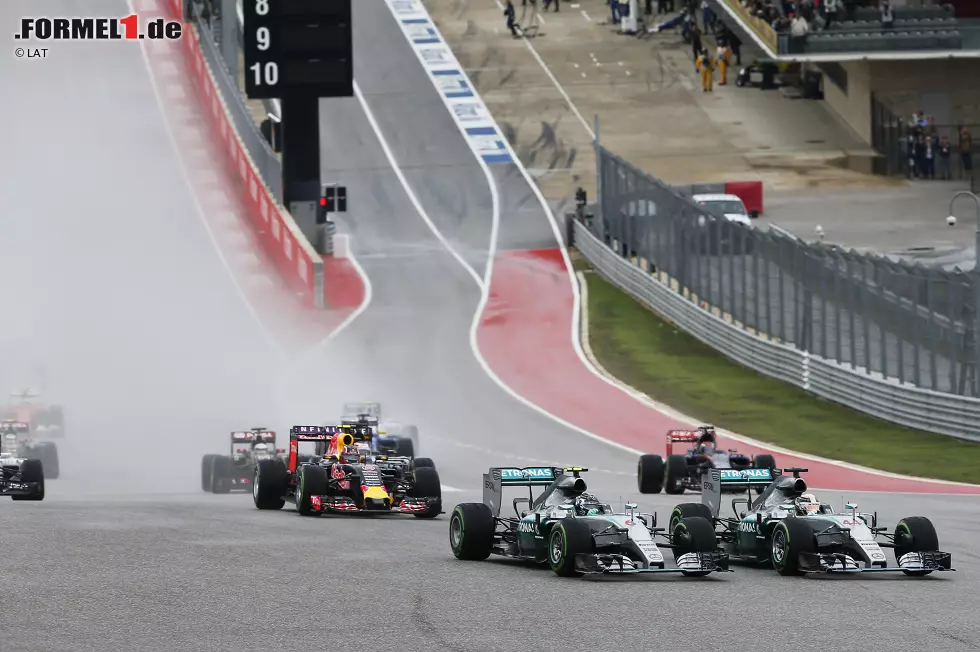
x: 586, y: 15
x: 554, y: 80
x: 447, y: 489
x: 199, y: 208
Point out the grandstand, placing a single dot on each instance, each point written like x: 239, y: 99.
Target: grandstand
x: 873, y: 73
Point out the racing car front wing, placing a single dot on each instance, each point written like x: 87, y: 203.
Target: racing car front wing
x: 344, y: 504
x: 18, y: 488
x: 836, y: 562
x: 695, y: 562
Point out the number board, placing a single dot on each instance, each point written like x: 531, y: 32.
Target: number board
x: 298, y: 48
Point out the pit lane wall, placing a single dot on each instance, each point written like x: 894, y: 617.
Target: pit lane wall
x: 874, y: 394
x: 295, y: 258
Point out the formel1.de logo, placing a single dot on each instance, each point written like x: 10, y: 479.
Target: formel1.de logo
x: 126, y: 28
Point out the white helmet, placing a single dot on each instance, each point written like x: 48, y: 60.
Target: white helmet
x: 807, y: 504
x: 260, y: 449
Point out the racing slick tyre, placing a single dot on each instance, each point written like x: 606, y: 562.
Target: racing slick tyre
x: 650, y: 474
x: 310, y: 481
x: 763, y: 462
x: 675, y: 473
x: 269, y: 484
x: 471, y: 529
x: 206, y: 473
x: 220, y: 474
x: 790, y: 538
x: 427, y: 485
x: 47, y: 452
x: 423, y: 463
x: 688, y: 510
x: 568, y: 538
x: 693, y: 534
x: 404, y: 447
x: 412, y: 432
x: 32, y: 471
x: 915, y: 534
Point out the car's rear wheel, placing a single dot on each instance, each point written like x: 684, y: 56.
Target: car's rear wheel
x: 650, y: 474
x: 269, y: 484
x: 423, y: 462
x: 471, y: 529
x: 220, y: 474
x: 763, y: 462
x: 206, y: 472
x: 688, y: 510
x: 675, y: 474
x: 427, y: 485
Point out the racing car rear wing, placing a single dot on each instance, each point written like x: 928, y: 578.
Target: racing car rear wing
x: 714, y: 479
x: 511, y: 476
x: 14, y: 426
x: 242, y: 437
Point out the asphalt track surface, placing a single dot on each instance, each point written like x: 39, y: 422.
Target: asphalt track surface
x: 126, y: 553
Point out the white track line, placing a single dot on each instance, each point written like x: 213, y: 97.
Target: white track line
x: 198, y: 207
x: 577, y: 311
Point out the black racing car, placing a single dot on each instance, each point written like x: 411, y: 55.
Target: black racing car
x: 17, y: 441
x: 570, y: 530
x: 221, y: 474
x: 20, y: 478
x: 345, y: 475
x: 788, y: 528
x: 682, y: 471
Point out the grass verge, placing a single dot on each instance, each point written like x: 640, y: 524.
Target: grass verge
x: 652, y: 355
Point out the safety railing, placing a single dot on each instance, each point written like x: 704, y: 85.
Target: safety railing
x: 859, y: 388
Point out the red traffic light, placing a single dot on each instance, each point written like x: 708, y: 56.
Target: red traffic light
x: 323, y: 201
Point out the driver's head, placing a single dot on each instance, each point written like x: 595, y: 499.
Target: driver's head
x: 807, y: 504
x: 587, y: 505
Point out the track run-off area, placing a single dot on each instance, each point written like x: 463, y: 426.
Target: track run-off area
x: 161, y: 326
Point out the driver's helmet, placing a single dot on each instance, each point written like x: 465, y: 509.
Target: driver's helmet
x: 707, y: 448
x: 707, y: 435
x: 588, y: 505
x: 356, y: 453
x: 260, y: 449
x: 807, y: 504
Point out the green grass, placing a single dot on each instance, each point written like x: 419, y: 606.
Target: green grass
x: 655, y: 357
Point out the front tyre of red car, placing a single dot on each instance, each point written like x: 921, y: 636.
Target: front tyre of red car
x: 310, y: 481
x: 427, y: 485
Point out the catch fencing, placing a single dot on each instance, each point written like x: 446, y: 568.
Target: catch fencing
x: 892, y: 339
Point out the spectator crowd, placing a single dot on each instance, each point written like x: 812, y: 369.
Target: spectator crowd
x: 931, y: 155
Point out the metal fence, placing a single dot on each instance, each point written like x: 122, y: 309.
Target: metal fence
x: 888, y: 399
x: 878, y: 317
x: 264, y: 158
